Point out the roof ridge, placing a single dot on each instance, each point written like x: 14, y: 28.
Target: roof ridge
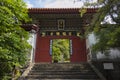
x: 62, y: 8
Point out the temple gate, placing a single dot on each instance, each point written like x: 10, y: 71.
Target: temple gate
x: 57, y: 23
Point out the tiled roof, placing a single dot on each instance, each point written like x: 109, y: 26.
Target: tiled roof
x: 60, y: 10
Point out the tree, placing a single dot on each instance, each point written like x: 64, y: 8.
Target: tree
x: 14, y: 47
x: 60, y: 50
x: 106, y: 25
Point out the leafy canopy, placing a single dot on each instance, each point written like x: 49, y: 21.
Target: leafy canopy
x: 106, y: 25
x: 60, y: 48
x: 14, y: 47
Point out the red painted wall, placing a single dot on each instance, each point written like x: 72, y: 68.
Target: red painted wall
x: 43, y: 46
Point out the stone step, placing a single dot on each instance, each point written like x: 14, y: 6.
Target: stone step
x: 61, y: 65
x: 62, y: 76
x: 66, y: 69
x: 84, y: 70
x: 63, y: 79
x: 60, y: 72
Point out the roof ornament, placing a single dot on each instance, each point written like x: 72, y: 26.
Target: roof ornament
x: 34, y: 29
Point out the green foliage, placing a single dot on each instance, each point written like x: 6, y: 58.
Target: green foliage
x: 82, y: 11
x: 60, y: 47
x: 107, y: 34
x: 14, y: 47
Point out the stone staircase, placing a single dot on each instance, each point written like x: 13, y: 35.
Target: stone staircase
x: 62, y: 71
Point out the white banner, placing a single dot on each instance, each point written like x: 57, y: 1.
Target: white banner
x: 70, y: 47
x: 51, y: 47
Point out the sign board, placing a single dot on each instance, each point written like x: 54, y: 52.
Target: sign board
x: 108, y: 66
x: 61, y: 24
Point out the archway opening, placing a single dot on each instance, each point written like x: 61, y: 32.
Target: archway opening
x: 60, y: 50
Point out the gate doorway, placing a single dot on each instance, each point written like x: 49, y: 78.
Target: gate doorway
x: 44, y: 49
x: 60, y: 50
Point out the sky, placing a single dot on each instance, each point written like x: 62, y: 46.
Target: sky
x: 55, y: 3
